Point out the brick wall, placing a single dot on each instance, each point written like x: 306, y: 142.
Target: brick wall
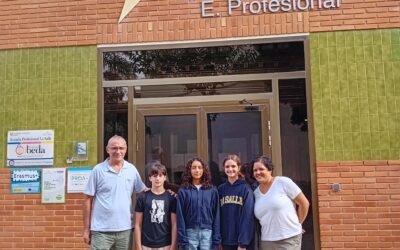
x: 37, y: 94
x: 25, y: 223
x: 39, y: 23
x: 50, y: 88
x: 365, y: 214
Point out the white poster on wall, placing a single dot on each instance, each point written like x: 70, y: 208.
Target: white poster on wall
x: 25, y: 181
x: 77, y: 179
x: 53, y: 185
x: 30, y: 148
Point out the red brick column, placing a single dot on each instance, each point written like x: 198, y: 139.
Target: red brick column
x: 366, y: 212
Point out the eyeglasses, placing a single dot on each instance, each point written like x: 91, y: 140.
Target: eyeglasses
x: 117, y: 148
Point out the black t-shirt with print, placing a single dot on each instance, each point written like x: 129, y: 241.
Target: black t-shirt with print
x: 156, y: 224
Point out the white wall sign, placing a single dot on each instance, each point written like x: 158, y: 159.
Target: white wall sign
x: 53, y: 185
x: 28, y: 148
x: 77, y: 179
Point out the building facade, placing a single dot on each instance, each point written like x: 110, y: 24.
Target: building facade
x: 315, y: 85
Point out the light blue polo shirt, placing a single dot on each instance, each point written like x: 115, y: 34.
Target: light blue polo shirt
x: 112, y: 203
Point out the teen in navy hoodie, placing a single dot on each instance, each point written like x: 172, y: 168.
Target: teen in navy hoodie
x: 197, y: 212
x: 237, y: 205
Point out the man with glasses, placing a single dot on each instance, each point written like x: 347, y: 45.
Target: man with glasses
x: 107, y: 209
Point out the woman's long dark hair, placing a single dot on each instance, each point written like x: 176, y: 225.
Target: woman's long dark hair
x: 187, y: 180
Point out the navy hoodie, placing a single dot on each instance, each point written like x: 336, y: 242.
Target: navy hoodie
x: 197, y: 209
x: 237, y: 216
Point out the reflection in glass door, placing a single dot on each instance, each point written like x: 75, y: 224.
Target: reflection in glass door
x: 210, y: 132
x: 172, y: 140
x: 233, y: 133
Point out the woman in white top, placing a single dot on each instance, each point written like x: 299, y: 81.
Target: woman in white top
x: 275, y: 207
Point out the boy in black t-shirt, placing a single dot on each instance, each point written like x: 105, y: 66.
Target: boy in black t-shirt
x: 155, y: 214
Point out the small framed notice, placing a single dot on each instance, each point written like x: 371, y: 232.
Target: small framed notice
x: 80, y: 151
x: 25, y: 181
x: 77, y: 179
x: 53, y: 185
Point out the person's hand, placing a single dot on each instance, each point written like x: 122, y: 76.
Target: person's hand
x: 86, y: 236
x: 172, y: 192
x: 241, y: 248
x: 303, y: 231
x: 146, y: 189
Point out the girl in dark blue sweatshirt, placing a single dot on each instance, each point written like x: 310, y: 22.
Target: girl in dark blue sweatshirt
x: 237, y: 205
x: 197, y: 212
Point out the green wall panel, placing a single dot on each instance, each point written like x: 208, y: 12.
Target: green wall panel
x: 356, y: 94
x: 50, y: 88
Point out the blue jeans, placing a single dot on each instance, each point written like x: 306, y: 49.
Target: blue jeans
x: 199, y: 239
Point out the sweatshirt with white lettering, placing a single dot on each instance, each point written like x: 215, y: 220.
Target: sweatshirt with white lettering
x: 236, y: 213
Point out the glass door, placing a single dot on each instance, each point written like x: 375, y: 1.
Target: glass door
x: 169, y: 136
x: 174, y: 135
x: 235, y: 131
x: 171, y: 140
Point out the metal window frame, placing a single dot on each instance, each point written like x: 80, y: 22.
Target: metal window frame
x: 273, y: 99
